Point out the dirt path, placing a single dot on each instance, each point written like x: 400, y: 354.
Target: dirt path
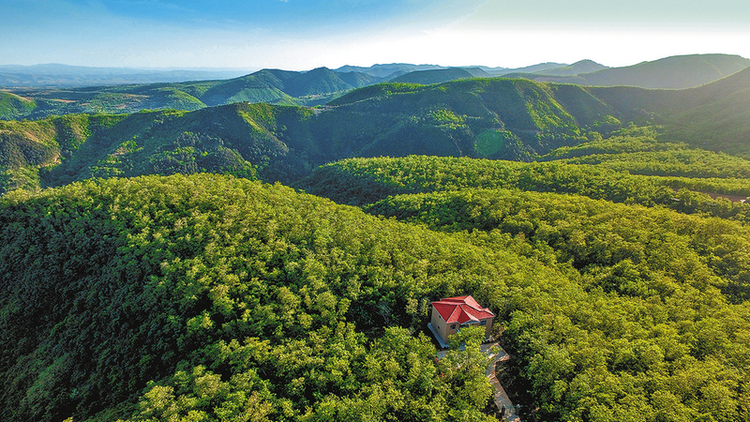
x: 502, y: 401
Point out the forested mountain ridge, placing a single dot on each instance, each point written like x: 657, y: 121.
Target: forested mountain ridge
x: 625, y: 345
x: 360, y: 182
x: 321, y: 82
x: 478, y: 117
x: 13, y: 106
x: 483, y: 118
x: 712, y: 116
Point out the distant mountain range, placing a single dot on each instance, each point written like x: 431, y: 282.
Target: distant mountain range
x: 671, y: 73
x: 271, y: 86
x: 319, y: 86
x: 58, y: 75
x: 390, y: 71
x: 435, y: 76
x: 577, y: 68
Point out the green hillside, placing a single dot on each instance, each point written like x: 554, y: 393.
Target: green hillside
x: 477, y: 117
x: 27, y: 147
x: 153, y: 270
x: 319, y: 86
x: 651, y: 334
x: 639, y: 152
x: 613, y: 255
x: 234, y: 139
x: 362, y: 181
x: 57, y: 102
x: 278, y: 86
x: 13, y: 106
x: 172, y: 98
x: 262, y: 86
x: 588, y: 362
x: 59, y: 150
x: 712, y: 116
x: 715, y: 116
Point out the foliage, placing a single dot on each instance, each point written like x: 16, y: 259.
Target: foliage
x: 714, y: 116
x: 543, y: 116
x: 224, y: 298
x: 26, y: 178
x: 645, y: 155
x: 381, y: 177
x: 587, y: 233
x: 478, y: 117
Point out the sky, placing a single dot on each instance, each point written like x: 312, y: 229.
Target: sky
x: 305, y: 34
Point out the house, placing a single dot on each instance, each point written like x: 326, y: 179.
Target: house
x: 450, y: 314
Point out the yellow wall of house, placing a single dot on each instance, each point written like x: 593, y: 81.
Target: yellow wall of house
x: 439, y: 324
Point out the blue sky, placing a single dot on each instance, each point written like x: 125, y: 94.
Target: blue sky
x: 303, y: 34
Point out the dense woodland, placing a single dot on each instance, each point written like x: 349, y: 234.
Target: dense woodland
x: 237, y: 299
x: 152, y: 269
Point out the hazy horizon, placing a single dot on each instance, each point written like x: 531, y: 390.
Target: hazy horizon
x: 296, y: 35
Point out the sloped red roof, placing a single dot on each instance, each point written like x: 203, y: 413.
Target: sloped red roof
x: 461, y: 309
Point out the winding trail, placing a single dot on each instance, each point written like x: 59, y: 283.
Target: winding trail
x: 502, y: 401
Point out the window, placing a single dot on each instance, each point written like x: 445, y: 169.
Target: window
x: 483, y: 323
x: 453, y: 326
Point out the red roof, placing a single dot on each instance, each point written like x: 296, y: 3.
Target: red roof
x: 461, y: 309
